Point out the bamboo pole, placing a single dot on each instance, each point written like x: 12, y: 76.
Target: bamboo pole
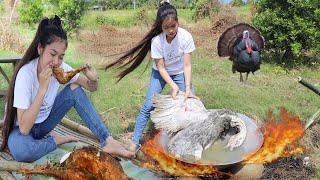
x: 309, y: 86
x: 15, y: 166
x: 312, y: 119
x: 78, y: 128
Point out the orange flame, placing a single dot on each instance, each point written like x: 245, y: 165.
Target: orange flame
x: 279, y: 139
x: 172, y: 166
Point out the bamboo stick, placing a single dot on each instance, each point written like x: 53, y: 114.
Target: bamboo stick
x: 15, y: 166
x: 312, y: 119
x: 78, y: 128
x: 309, y: 86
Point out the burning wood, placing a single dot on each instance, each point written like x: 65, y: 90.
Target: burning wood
x: 64, y: 77
x: 279, y: 138
x: 161, y: 161
x: 279, y: 141
x: 86, y: 163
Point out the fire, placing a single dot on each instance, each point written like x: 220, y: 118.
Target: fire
x: 161, y: 161
x: 279, y: 139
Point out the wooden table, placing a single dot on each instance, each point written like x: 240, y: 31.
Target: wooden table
x: 13, y: 61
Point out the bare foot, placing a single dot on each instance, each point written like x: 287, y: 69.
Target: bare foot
x: 114, y: 147
x: 63, y: 139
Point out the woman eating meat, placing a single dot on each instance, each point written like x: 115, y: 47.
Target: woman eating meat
x: 34, y: 106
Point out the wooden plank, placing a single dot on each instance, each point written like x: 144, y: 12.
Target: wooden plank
x: 4, y: 75
x: 9, y: 59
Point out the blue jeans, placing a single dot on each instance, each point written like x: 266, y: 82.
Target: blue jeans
x: 156, y: 85
x: 28, y: 148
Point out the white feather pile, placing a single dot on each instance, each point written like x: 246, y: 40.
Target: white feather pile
x: 173, y: 115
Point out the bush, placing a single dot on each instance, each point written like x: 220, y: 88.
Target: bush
x: 237, y: 3
x: 31, y: 11
x: 141, y: 17
x: 290, y: 27
x: 71, y: 12
x: 204, y: 8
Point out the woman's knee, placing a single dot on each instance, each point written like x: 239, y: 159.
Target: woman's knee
x: 23, y: 156
x: 21, y: 152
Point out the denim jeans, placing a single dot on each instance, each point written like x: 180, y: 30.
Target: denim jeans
x: 28, y: 148
x: 156, y: 85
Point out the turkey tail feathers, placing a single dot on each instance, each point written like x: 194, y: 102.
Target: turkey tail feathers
x: 228, y: 38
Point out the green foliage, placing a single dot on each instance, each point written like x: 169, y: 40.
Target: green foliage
x: 2, y: 8
x: 116, y: 4
x: 71, y: 12
x: 181, y: 4
x: 128, y: 4
x: 290, y: 27
x: 122, y: 21
x: 237, y: 3
x: 204, y: 8
x: 142, y: 17
x: 31, y: 11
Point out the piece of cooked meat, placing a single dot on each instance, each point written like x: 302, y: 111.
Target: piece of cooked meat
x: 64, y: 77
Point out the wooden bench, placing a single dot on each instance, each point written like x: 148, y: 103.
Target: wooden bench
x: 13, y: 61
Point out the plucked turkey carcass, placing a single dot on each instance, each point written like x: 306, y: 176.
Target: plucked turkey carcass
x: 192, y: 128
x: 83, y: 164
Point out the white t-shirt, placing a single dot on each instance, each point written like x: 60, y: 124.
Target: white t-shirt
x: 27, y: 86
x: 172, y: 53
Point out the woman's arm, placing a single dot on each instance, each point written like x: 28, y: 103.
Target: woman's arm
x: 165, y: 75
x: 90, y: 85
x: 90, y: 80
x: 27, y: 117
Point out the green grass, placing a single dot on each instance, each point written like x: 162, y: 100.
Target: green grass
x: 243, y: 10
x: 126, y: 18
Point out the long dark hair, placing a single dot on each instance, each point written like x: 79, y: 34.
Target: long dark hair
x: 134, y: 57
x: 49, y: 30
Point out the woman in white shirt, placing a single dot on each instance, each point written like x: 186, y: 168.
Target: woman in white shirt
x: 35, y: 107
x: 171, y: 48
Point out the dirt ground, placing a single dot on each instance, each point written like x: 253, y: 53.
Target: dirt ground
x: 289, y: 168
